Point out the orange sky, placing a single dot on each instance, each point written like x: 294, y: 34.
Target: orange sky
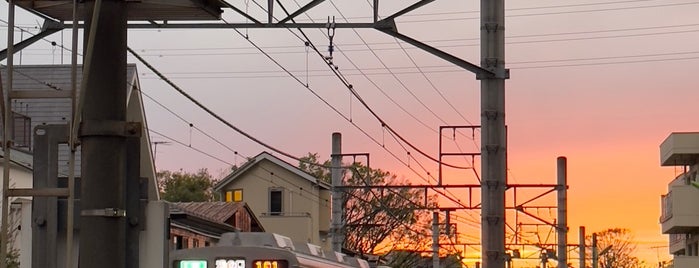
x: 626, y: 79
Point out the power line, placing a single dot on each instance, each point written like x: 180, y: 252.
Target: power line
x: 470, y: 45
x: 557, y: 13
x: 189, y: 146
x: 431, y: 41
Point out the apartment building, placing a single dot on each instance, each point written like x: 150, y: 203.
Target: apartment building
x: 680, y: 206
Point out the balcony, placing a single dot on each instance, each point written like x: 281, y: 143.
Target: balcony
x: 680, y: 149
x: 685, y: 262
x: 679, y: 210
x: 678, y: 244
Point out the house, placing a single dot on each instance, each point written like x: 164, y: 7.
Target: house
x: 20, y: 176
x: 679, y: 211
x: 285, y: 199
x: 40, y: 97
x: 201, y: 224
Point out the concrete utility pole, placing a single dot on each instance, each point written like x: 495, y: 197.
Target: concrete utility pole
x: 435, y: 239
x: 581, y: 241
x: 595, y: 257
x: 336, y: 175
x: 562, y: 228
x: 103, y: 215
x: 493, y: 140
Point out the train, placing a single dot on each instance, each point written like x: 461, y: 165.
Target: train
x: 261, y: 250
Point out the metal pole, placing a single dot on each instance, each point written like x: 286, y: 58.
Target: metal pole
x: 103, y: 223
x: 6, y: 136
x: 336, y: 176
x: 435, y: 239
x: 72, y: 138
x: 595, y: 257
x: 562, y: 228
x: 581, y: 241
x: 493, y: 141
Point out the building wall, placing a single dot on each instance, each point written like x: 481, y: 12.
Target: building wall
x: 301, y: 204
x: 181, y: 239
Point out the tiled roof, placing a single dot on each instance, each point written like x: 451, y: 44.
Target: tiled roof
x: 217, y: 212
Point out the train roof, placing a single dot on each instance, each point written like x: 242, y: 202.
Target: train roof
x: 272, y: 240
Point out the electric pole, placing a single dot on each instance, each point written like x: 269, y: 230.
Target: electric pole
x: 562, y: 206
x: 103, y: 218
x: 435, y: 239
x: 493, y: 140
x: 336, y: 177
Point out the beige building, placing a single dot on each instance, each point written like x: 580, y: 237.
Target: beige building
x: 680, y: 206
x: 285, y: 199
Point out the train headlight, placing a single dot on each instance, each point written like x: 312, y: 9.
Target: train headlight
x: 270, y: 264
x: 191, y: 264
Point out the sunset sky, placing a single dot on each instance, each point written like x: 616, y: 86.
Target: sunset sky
x: 600, y: 82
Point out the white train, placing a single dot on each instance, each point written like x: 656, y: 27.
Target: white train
x: 261, y: 250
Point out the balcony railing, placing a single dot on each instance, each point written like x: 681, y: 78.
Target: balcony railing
x: 677, y: 243
x: 678, y: 211
x: 665, y: 207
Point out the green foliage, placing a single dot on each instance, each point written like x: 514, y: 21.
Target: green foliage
x: 181, y: 186
x: 12, y: 260
x: 374, y: 215
x: 309, y: 164
x: 617, y: 249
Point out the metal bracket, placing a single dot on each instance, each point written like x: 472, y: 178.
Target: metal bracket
x: 492, y: 255
x: 495, y: 73
x: 105, y: 212
x: 492, y: 184
x: 491, y: 114
x: 492, y: 149
x: 490, y: 63
x: 492, y: 27
x: 492, y: 220
x: 110, y: 128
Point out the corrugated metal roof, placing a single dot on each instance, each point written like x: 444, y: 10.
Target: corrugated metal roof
x: 218, y: 212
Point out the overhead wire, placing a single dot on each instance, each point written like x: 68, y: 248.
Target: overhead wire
x: 431, y: 41
x: 336, y: 71
x: 557, y: 12
x: 400, y: 82
x: 364, y: 103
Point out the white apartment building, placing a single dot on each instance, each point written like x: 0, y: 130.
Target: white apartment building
x: 680, y: 206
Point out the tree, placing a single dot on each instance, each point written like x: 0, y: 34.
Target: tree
x: 181, y: 186
x: 372, y: 215
x: 616, y: 249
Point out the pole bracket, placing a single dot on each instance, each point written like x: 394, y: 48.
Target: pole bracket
x: 105, y: 212
x: 492, y: 254
x: 492, y: 220
x: 110, y: 128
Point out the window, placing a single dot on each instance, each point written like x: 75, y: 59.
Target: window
x: 275, y: 202
x: 21, y: 135
x: 234, y: 195
x: 178, y: 242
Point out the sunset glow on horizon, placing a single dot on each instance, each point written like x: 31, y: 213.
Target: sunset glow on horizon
x: 600, y: 83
